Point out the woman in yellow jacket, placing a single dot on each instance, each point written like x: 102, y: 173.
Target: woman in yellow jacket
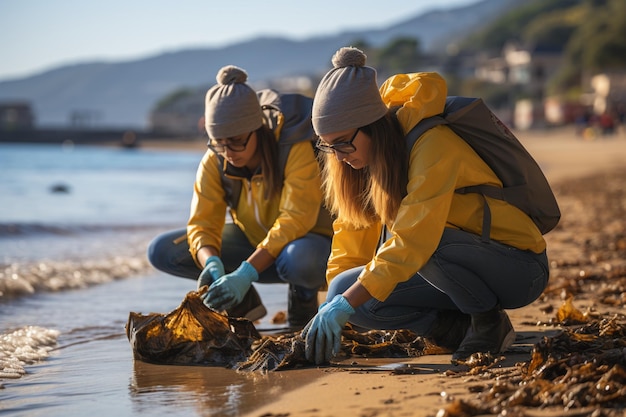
x: 279, y: 232
x: 431, y: 272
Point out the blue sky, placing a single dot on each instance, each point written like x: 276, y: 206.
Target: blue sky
x: 36, y: 35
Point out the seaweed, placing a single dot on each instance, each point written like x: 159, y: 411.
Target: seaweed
x: 194, y: 334
x: 191, y: 334
x: 581, y: 368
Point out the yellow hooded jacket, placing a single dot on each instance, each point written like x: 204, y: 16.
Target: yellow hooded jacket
x: 267, y: 223
x: 439, y: 163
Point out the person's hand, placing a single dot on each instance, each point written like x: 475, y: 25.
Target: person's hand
x: 213, y: 269
x: 323, y: 333
x: 229, y: 290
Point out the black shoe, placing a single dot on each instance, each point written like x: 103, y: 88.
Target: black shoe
x: 491, y: 332
x: 449, y: 329
x: 251, y: 307
x: 301, y: 306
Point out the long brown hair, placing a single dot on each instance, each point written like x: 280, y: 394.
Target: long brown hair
x: 267, y: 149
x: 360, y: 197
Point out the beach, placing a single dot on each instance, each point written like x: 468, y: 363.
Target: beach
x: 582, y: 173
x: 85, y: 362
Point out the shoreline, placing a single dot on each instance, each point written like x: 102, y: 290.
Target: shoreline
x: 586, y: 177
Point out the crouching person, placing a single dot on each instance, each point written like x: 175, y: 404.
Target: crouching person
x: 432, y: 272
x: 262, y: 167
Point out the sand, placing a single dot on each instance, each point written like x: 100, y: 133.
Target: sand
x: 361, y: 387
x: 587, y: 177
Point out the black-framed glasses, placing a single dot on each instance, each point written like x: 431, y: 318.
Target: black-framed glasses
x: 338, y: 147
x: 234, y: 144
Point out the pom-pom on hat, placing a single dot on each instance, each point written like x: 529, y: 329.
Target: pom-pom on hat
x: 231, y: 107
x: 348, y: 95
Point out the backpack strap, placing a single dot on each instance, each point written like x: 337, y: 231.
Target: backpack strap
x: 274, y: 120
x: 289, y: 117
x: 421, y: 128
x: 485, y: 190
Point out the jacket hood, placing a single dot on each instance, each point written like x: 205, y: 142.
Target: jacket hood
x: 419, y: 95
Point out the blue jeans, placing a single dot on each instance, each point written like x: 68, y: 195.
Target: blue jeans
x: 464, y: 274
x: 301, y: 263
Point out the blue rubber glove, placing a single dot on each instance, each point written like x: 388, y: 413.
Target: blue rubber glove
x: 323, y: 332
x: 213, y: 269
x: 229, y: 290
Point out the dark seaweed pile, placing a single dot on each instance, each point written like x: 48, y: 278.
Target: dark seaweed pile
x: 275, y: 353
x: 582, y: 369
x: 193, y: 334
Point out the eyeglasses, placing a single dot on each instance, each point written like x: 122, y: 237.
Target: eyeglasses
x: 339, y: 147
x: 234, y: 144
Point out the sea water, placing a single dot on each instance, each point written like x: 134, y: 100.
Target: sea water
x: 75, y: 222
x: 55, y: 191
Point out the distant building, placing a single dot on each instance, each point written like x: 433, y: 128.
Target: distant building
x: 520, y: 66
x: 16, y: 115
x: 609, y: 91
x: 525, y: 70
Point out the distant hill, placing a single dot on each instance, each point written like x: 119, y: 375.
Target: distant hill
x: 121, y: 94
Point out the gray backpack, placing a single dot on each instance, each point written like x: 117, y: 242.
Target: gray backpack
x: 525, y: 185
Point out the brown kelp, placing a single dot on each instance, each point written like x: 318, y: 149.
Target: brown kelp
x: 191, y: 334
x: 274, y: 353
x: 581, y: 368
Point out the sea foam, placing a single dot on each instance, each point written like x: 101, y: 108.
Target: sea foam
x: 24, y: 346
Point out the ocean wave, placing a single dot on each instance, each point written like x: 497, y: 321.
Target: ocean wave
x: 17, y: 279
x: 8, y: 230
x: 24, y: 346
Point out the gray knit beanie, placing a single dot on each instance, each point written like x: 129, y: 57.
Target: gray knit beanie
x: 231, y: 107
x: 348, y: 96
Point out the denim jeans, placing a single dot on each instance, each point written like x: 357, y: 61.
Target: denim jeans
x: 463, y: 274
x: 301, y: 263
